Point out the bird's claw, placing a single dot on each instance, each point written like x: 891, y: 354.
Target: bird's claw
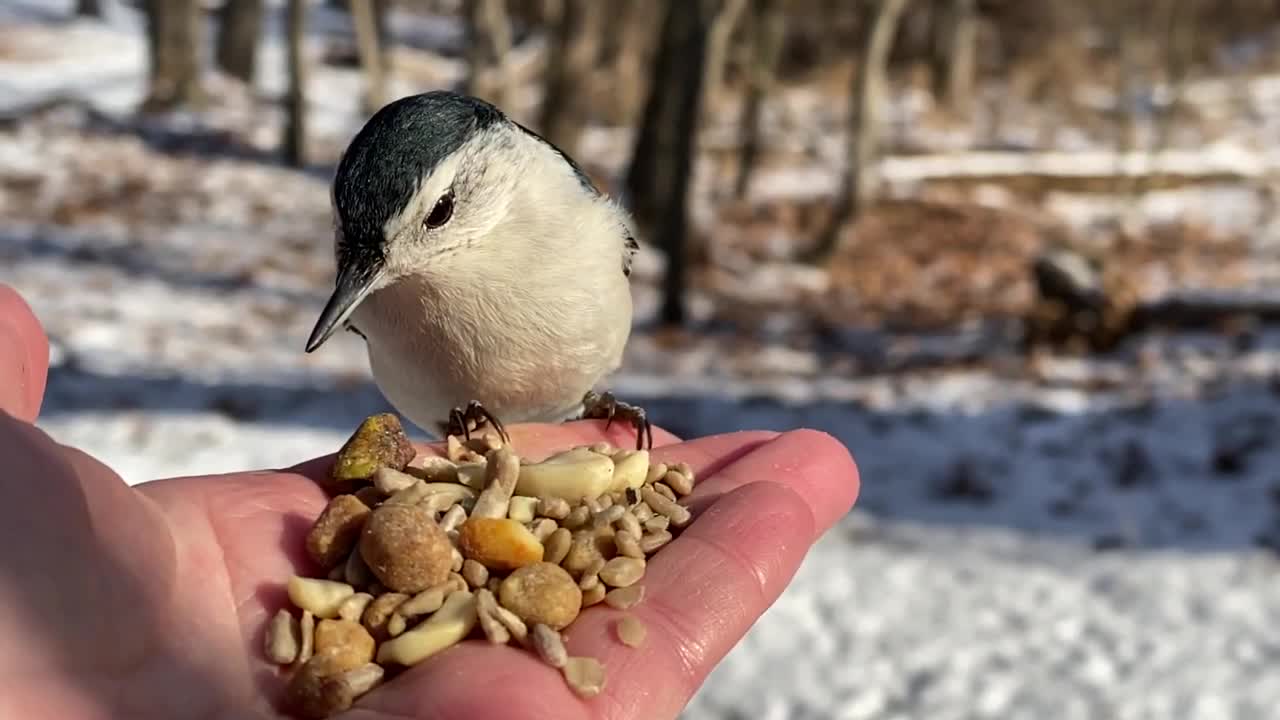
x: 604, y: 406
x: 466, y: 421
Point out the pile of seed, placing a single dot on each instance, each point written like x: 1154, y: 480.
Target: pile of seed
x: 423, y: 552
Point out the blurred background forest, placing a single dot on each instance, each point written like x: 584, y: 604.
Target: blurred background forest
x: 1021, y: 256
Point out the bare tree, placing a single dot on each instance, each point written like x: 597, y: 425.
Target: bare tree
x: 861, y: 176
x: 955, y: 53
x: 173, y: 42
x: 367, y: 16
x: 766, y: 32
x: 658, y: 178
x: 574, y: 52
x: 632, y: 38
x: 295, y: 129
x: 1178, y: 44
x: 1128, y: 36
x: 718, y: 39
x: 89, y: 8
x: 380, y: 10
x: 488, y: 44
x: 239, y: 29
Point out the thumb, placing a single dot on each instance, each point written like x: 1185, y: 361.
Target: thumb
x: 24, y: 357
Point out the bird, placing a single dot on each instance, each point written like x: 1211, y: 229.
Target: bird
x: 487, y: 274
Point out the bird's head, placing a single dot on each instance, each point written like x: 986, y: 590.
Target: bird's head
x: 446, y: 183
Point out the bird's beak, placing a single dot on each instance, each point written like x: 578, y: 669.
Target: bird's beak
x: 353, y: 285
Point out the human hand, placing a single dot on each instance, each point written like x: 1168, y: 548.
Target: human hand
x: 151, y: 601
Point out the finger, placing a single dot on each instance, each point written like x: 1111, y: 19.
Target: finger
x: 703, y: 594
x: 813, y: 464
x: 24, y: 357
x: 259, y: 522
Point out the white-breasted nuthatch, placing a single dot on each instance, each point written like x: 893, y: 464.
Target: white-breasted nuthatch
x: 487, y: 274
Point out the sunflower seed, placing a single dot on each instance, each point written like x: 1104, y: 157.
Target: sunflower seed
x: 307, y: 633
x: 549, y: 646
x: 585, y: 675
x: 557, y: 546
x: 512, y: 623
x: 542, y: 528
x: 631, y: 631
x: 624, y: 598
x: 628, y: 544
x: 283, y: 639
x: 591, y: 575
x: 629, y: 523
x: 474, y: 573
x: 353, y: 607
x: 487, y: 614
x: 577, y: 517
x: 453, y: 517
x: 663, y: 505
x: 656, y: 471
x: 650, y: 542
x: 622, y: 571
x: 553, y: 507
x: 424, y: 603
x: 594, y: 596
x: 657, y: 523
x: 679, y: 482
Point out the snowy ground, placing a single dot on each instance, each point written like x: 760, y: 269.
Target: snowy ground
x: 1081, y: 539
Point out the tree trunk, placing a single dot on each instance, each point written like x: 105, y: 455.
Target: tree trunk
x: 1178, y: 44
x: 1129, y: 82
x: 173, y: 35
x: 955, y: 53
x: 380, y: 9
x: 241, y: 27
x: 295, y: 130
x: 89, y: 8
x: 768, y: 30
x: 634, y: 37
x: 489, y: 43
x: 662, y: 162
x: 574, y: 53
x: 718, y: 40
x: 369, y: 35
x: 861, y: 177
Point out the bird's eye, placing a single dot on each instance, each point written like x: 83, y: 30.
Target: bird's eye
x: 441, y: 213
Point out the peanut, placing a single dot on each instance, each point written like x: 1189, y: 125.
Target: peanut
x: 445, y: 628
x: 500, y: 483
x: 320, y: 597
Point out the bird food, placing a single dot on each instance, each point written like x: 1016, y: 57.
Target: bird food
x: 419, y: 553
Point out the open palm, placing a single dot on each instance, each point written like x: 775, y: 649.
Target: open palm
x: 150, y: 601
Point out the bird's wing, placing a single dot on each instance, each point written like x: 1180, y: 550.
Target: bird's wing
x: 629, y: 254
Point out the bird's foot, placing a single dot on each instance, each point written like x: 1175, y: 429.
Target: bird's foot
x: 464, y: 422
x: 604, y: 406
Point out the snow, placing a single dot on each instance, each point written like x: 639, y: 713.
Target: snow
x: 1070, y: 538
x: 960, y: 624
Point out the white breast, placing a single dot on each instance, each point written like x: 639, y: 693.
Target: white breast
x: 526, y: 355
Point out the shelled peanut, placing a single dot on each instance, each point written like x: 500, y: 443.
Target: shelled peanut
x: 419, y: 553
